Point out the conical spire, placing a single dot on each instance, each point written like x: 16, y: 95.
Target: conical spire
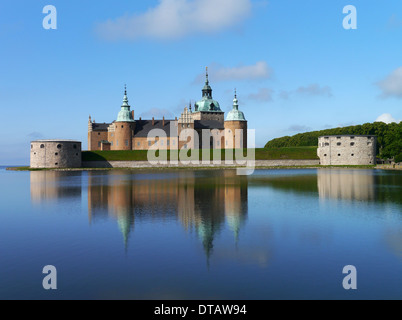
x: 235, y: 114
x: 125, y: 99
x: 125, y: 114
x: 235, y: 102
x: 207, y: 90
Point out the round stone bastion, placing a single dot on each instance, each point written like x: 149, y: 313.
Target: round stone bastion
x: 56, y: 154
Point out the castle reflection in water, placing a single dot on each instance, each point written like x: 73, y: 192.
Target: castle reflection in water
x: 200, y: 203
x: 128, y: 197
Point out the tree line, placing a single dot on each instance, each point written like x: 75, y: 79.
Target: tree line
x: 389, y: 138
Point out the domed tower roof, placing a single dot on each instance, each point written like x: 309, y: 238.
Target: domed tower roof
x: 125, y: 114
x: 235, y: 114
x: 207, y: 104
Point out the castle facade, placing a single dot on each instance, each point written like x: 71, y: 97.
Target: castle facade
x: 203, y: 126
x: 347, y: 150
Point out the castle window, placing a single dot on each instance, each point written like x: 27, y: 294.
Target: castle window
x: 75, y: 146
x: 59, y: 146
x: 111, y: 143
x: 126, y: 142
x: 174, y: 142
x: 168, y: 142
x: 161, y: 142
x: 217, y: 143
x: 76, y: 154
x: 352, y: 137
x: 188, y: 126
x: 122, y: 127
x: 56, y: 164
x: 117, y: 143
x: 56, y: 154
x: 99, y: 144
x: 112, y: 134
x: 339, y: 154
x: 338, y: 144
x: 149, y: 143
x: 353, y: 155
x: 138, y: 144
x: 226, y: 143
x: 338, y: 137
x: 185, y: 146
x: 31, y: 146
x: 326, y: 138
x: 98, y: 133
x: 326, y: 144
x: 182, y: 125
x: 352, y: 144
x: 42, y: 146
x: 369, y: 143
x: 325, y: 155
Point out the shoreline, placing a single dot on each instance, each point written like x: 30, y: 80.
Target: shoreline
x: 22, y: 169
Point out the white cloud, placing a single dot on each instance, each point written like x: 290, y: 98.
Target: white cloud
x: 257, y: 71
x: 387, y: 118
x: 157, y: 113
x: 263, y: 94
x: 391, y: 86
x: 310, y: 90
x: 394, y: 22
x: 299, y: 128
x: 35, y: 135
x: 172, y: 19
x: 315, y: 90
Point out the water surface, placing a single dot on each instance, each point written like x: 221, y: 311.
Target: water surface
x: 279, y: 234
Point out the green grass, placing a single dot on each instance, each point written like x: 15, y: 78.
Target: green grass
x: 292, y: 153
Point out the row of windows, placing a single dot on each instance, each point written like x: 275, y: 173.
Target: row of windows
x: 161, y: 143
x: 351, y: 137
x: 59, y: 146
x: 352, y: 144
x: 56, y: 154
x: 325, y: 155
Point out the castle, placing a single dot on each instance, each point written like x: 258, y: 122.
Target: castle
x: 347, y: 150
x: 126, y: 133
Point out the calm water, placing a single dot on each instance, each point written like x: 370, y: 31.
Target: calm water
x: 279, y: 234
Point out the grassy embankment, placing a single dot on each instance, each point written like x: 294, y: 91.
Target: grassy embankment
x: 292, y: 153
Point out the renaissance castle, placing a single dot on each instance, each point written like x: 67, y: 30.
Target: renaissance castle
x: 126, y: 133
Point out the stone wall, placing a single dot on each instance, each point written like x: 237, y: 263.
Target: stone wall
x: 95, y: 138
x: 231, y: 130
x: 146, y: 164
x: 123, y: 135
x: 217, y: 116
x: 55, y: 154
x: 347, y: 150
x: 163, y: 143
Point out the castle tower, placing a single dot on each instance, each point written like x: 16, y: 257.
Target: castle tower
x: 208, y: 108
x: 122, y: 133
x: 235, y: 124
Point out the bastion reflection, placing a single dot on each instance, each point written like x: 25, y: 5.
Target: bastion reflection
x: 200, y: 203
x: 346, y: 184
x: 52, y: 185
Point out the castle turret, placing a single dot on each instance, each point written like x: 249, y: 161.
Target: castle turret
x: 235, y: 125
x: 122, y: 136
x: 208, y: 108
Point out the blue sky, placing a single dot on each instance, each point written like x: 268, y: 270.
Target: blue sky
x: 294, y: 66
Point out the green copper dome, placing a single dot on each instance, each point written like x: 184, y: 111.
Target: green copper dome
x: 125, y: 114
x: 207, y: 104
x: 235, y: 114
